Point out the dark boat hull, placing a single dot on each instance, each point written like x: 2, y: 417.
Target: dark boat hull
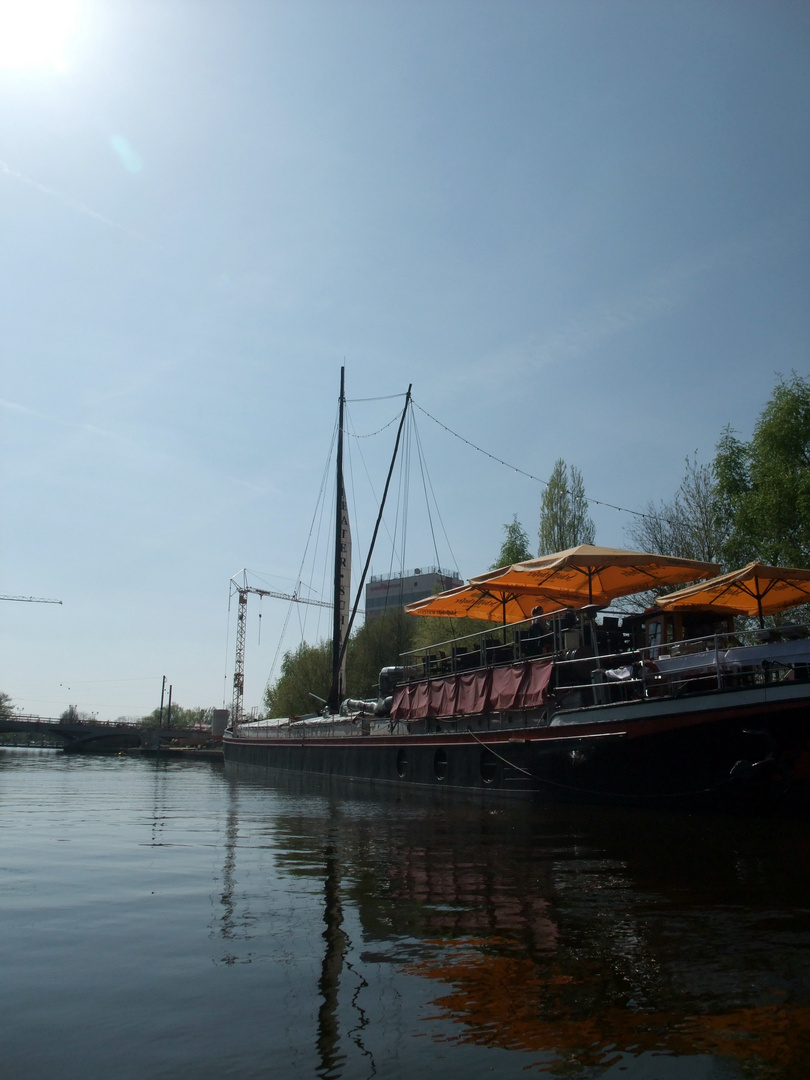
x: 741, y: 752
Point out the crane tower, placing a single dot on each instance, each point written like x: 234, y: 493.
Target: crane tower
x: 239, y: 585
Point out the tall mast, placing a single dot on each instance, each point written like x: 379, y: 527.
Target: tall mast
x: 339, y: 661
x: 348, y: 627
x: 342, y: 568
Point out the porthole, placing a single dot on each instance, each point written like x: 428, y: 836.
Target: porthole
x: 488, y: 766
x: 402, y: 764
x: 440, y: 764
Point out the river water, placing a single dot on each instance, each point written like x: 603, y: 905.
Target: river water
x: 159, y: 920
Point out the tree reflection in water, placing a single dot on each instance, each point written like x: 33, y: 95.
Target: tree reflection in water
x: 580, y: 938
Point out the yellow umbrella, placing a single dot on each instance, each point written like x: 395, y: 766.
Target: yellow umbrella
x: 497, y: 604
x: 594, y: 575
x: 756, y: 589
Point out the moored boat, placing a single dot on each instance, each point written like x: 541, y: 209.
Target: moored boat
x: 670, y: 707
x: 720, y: 719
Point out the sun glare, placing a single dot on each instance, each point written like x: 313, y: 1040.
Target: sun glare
x: 36, y: 33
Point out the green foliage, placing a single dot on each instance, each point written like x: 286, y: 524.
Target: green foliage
x: 689, y: 526
x: 71, y: 715
x: 6, y: 708
x: 304, y: 671
x: 434, y: 631
x: 763, y: 487
x: 377, y: 644
x: 564, y: 518
x: 753, y: 502
x: 180, y: 717
x: 731, y: 486
x: 515, y: 547
x: 307, y: 670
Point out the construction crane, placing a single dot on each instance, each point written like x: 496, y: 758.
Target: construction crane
x: 239, y: 584
x: 31, y: 599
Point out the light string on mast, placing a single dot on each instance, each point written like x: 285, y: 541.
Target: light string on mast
x: 538, y: 479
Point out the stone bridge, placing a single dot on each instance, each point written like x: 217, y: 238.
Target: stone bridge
x: 96, y: 735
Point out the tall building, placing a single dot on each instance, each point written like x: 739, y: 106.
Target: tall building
x: 385, y: 591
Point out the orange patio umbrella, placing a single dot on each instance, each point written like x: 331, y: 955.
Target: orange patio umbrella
x: 498, y: 605
x: 755, y: 590
x: 593, y: 575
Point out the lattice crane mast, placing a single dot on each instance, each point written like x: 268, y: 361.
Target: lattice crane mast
x: 242, y: 588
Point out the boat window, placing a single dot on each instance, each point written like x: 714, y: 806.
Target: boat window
x: 488, y: 766
x: 440, y: 764
x: 654, y: 633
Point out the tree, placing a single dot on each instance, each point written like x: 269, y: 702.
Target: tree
x: 764, y: 486
x: 305, y: 671
x: 378, y: 643
x: 689, y: 526
x: 71, y: 715
x: 179, y: 718
x: 434, y: 630
x: 564, y: 518
x: 6, y: 708
x: 515, y: 547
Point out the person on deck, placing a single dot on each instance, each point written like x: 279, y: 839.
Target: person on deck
x: 538, y: 639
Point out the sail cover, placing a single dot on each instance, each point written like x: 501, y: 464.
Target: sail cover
x: 344, y: 584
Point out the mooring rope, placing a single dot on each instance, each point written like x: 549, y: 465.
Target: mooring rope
x: 494, y: 753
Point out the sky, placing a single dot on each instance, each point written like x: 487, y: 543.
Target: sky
x: 580, y: 230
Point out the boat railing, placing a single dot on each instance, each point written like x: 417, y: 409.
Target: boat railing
x: 585, y: 679
x: 588, y: 674
x: 714, y: 663
x: 301, y: 730
x: 565, y: 630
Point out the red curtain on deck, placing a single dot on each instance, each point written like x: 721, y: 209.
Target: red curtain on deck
x: 473, y: 692
x: 443, y: 693
x: 518, y: 686
x: 534, y: 690
x: 505, y: 689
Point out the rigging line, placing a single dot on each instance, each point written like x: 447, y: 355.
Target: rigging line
x: 405, y: 473
x: 401, y: 515
x: 317, y: 514
x: 374, y: 533
x: 321, y: 512
x: 227, y: 649
x: 537, y: 479
x: 427, y: 504
x: 97, y: 682
x: 357, y: 536
x: 379, y: 431
x: 278, y: 648
x: 392, y: 534
x: 321, y: 550
x: 396, y: 557
x: 382, y: 397
x: 426, y: 473
x: 311, y: 544
x: 370, y: 482
x: 324, y: 484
